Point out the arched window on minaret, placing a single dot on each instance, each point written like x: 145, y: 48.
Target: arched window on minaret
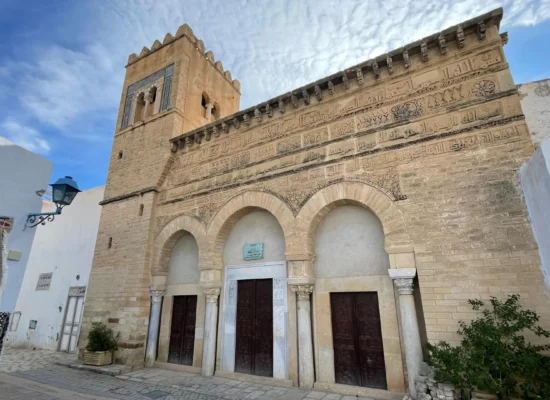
x: 151, y: 100
x: 206, y: 106
x: 140, y: 107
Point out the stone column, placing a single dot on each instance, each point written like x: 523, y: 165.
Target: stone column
x: 154, y: 323
x: 305, y: 338
x: 210, y: 330
x: 403, y: 280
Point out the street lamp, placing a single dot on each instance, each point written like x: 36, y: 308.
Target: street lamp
x: 64, y: 190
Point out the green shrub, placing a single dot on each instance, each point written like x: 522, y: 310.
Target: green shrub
x: 494, y: 356
x: 102, y: 338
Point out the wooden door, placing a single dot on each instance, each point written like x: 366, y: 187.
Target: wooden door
x: 182, y: 332
x: 254, y: 341
x: 357, y: 340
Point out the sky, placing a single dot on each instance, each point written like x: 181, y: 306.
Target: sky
x: 62, y: 61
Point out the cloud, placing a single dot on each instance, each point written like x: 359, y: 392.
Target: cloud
x: 73, y: 80
x: 25, y: 136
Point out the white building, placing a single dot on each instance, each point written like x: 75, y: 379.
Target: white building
x: 535, y: 102
x: 23, y: 175
x: 48, y: 310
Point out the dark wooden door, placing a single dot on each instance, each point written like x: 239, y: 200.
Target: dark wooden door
x: 254, y: 342
x: 357, y: 340
x: 182, y: 332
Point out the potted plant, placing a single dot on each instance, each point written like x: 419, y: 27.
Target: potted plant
x: 102, y: 343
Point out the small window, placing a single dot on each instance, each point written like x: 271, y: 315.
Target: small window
x: 120, y: 155
x: 14, y: 320
x: 110, y: 243
x: 44, y: 281
x: 140, y: 107
x: 140, y: 210
x: 151, y: 99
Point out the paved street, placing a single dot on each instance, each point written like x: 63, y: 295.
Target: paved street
x: 32, y: 375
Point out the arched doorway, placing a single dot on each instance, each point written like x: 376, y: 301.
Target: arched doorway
x: 253, y: 327
x: 182, y: 320
x: 355, y: 319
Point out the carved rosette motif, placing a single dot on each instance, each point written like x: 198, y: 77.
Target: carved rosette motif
x: 156, y: 296
x: 404, y: 285
x: 212, y: 294
x: 302, y: 291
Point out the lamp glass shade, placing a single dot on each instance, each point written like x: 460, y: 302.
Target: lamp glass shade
x: 64, y: 191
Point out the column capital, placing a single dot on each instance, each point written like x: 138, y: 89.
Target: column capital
x: 302, y: 291
x: 404, y: 285
x: 212, y: 294
x: 156, y: 295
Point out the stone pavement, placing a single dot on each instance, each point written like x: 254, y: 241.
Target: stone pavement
x: 22, y: 359
x: 49, y: 381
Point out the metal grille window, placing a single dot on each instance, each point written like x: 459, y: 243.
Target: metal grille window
x: 44, y: 281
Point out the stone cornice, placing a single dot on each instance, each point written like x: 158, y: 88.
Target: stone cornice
x: 185, y: 31
x: 302, y: 95
x: 128, y: 195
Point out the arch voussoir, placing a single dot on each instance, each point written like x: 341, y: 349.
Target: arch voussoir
x: 170, y: 234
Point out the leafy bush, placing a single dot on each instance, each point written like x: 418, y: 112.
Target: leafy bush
x: 494, y: 356
x: 102, y: 338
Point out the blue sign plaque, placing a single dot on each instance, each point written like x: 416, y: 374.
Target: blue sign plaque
x: 253, y: 251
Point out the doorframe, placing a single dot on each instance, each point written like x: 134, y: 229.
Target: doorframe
x: 269, y: 270
x: 74, y: 291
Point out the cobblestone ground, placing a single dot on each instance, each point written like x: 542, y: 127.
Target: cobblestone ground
x: 52, y: 382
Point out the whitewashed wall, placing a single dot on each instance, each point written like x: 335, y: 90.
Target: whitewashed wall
x: 535, y: 102
x: 535, y: 182
x: 22, y: 173
x: 350, y: 242
x: 255, y: 227
x: 64, y: 247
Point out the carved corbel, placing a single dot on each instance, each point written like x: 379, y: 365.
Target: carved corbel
x: 246, y: 119
x: 305, y: 95
x: 294, y: 100
x: 174, y: 147
x: 318, y: 93
x: 375, y: 69
x: 181, y: 144
x: 225, y: 127
x: 281, y: 106
x: 424, y: 50
x: 188, y: 141
x: 406, y: 59
x: 442, y: 44
x: 258, y: 114
x: 330, y: 87
x: 359, y: 73
x: 504, y: 38
x: 216, y: 131
x: 207, y: 134
x: 389, y: 63
x: 460, y: 36
x: 345, y: 81
x: 481, y: 30
x: 268, y: 110
x: 236, y: 123
x: 198, y: 138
